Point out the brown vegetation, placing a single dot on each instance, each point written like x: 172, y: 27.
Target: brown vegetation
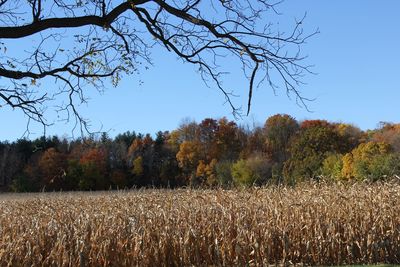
x: 310, y: 224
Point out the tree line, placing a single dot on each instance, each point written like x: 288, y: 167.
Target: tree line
x: 212, y: 153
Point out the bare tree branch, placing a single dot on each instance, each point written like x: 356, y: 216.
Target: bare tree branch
x: 112, y: 38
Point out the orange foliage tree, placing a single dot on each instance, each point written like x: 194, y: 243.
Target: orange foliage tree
x: 53, y: 166
x: 390, y: 134
x: 188, y: 156
x: 94, y: 169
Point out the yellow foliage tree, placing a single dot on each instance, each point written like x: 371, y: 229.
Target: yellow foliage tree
x: 357, y: 163
x: 207, y: 172
x: 138, y: 166
x: 188, y: 155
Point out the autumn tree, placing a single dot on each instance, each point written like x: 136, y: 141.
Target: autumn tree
x: 116, y: 152
x: 255, y: 170
x: 279, y: 129
x: 20, y: 163
x: 315, y: 123
x: 332, y: 167
x: 141, y: 158
x: 165, y: 150
x: 255, y: 142
x: 94, y: 170
x: 28, y: 179
x: 228, y: 140
x: 205, y: 145
x: 308, y: 149
x: 119, y: 178
x: 388, y: 133
x: 224, y: 173
x: 351, y: 135
x: 188, y: 158
x: 347, y: 138
x: 165, y: 170
x: 70, y: 45
x: 371, y: 160
x: 206, y: 138
x: 206, y: 173
x: 52, y: 165
x: 125, y: 138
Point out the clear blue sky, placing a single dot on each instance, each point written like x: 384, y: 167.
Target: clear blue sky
x: 356, y: 56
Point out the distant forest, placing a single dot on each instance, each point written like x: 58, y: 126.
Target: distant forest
x: 212, y: 153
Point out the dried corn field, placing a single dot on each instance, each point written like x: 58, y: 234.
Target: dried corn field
x: 311, y: 225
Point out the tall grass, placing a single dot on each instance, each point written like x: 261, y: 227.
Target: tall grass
x: 312, y: 225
